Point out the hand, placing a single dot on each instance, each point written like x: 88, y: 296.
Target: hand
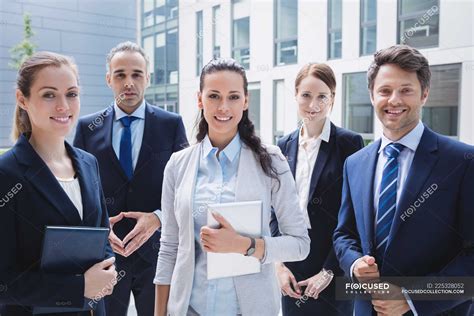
x: 100, y: 279
x: 285, y: 280
x: 317, y: 283
x: 366, y: 270
x: 115, y: 242
x: 224, y: 239
x: 147, y: 224
x: 394, y: 303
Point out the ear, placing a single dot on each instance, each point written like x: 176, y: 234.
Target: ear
x: 199, y: 97
x: 424, y: 96
x: 147, y: 79
x: 246, y: 105
x: 21, y: 100
x: 108, y: 78
x: 371, y: 94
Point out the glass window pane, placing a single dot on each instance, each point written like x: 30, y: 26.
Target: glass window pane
x: 254, y: 108
x: 287, y: 52
x: 172, y: 56
x: 172, y: 9
x: 160, y: 14
x: 147, y: 5
x: 440, y: 112
x: 335, y: 14
x: 369, y: 10
x: 216, y: 30
x: 286, y: 19
x: 160, y: 58
x: 241, y: 36
x: 199, y: 42
x: 278, y: 109
x: 358, y: 111
x: 335, y: 44
x: 411, y: 6
x: 148, y: 19
x: 369, y: 40
x: 242, y: 56
x: 148, y: 47
x: 420, y: 32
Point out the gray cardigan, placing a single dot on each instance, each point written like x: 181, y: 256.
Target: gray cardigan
x: 258, y: 294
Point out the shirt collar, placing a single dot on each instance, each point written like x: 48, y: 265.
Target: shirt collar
x: 138, y: 113
x: 325, y: 133
x: 230, y: 151
x: 410, y: 140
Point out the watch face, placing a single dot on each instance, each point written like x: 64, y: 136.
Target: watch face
x: 250, y: 251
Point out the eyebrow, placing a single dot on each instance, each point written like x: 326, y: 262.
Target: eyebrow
x: 53, y: 88
x: 229, y: 91
x: 122, y: 71
x: 325, y: 93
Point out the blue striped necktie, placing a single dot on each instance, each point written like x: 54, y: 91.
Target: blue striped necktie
x: 126, y: 146
x: 387, y: 197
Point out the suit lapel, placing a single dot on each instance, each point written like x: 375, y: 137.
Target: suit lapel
x: 423, y: 163
x: 365, y: 182
x: 149, y: 136
x: 291, y: 151
x: 42, y: 179
x: 323, y: 154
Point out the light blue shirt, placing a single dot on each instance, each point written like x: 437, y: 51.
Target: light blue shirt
x: 215, y: 183
x: 137, y: 127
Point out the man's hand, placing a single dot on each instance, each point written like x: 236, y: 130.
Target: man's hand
x: 391, y: 304
x: 115, y: 242
x: 285, y: 280
x: 366, y: 270
x: 316, y: 284
x: 147, y: 224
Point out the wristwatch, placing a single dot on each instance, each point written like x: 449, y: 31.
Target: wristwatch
x: 251, y: 249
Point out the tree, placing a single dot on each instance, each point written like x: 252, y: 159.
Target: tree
x: 20, y: 52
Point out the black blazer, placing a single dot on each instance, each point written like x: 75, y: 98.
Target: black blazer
x: 163, y: 134
x: 323, y: 202
x: 32, y: 198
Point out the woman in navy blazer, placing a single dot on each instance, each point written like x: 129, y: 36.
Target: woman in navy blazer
x: 47, y: 182
x: 316, y: 153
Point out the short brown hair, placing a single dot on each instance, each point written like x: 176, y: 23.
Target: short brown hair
x: 405, y: 57
x: 25, y: 79
x: 318, y: 70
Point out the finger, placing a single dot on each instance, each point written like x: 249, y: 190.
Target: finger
x: 219, y: 218
x: 131, y: 235
x: 107, y: 262
x: 207, y: 230
x: 290, y: 292
x: 369, y: 260
x: 115, y: 219
x: 295, y: 284
x: 135, y: 215
x: 303, y: 283
x: 118, y: 250
x: 114, y: 239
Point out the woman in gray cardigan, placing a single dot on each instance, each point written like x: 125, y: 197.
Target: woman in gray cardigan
x: 228, y: 164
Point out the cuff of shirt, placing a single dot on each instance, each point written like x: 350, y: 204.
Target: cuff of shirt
x: 159, y: 215
x: 410, y: 302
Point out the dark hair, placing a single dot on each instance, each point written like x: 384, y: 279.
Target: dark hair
x: 246, y: 128
x: 319, y: 71
x: 25, y: 79
x: 405, y: 57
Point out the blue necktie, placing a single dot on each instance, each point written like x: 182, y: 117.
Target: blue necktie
x: 387, y: 197
x: 126, y: 146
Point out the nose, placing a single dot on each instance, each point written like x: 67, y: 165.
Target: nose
x: 316, y: 104
x: 62, y: 105
x: 395, y: 98
x: 128, y: 84
x: 223, y: 107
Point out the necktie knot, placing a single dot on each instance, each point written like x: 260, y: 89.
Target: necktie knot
x: 127, y: 120
x: 392, y: 150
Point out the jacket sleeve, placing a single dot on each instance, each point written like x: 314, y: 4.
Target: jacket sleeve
x: 293, y: 244
x: 180, y: 139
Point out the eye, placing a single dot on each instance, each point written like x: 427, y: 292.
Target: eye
x: 213, y: 96
x: 136, y: 75
x: 120, y: 76
x: 48, y: 95
x: 72, y: 95
x: 323, y: 97
x: 407, y: 91
x: 384, y: 91
x: 234, y: 97
x: 305, y: 95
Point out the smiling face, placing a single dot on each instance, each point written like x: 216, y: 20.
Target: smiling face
x: 128, y: 78
x: 53, y: 104
x: 314, y: 99
x: 223, y: 100
x: 397, y: 98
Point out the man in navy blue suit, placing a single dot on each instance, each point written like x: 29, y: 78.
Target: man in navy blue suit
x: 132, y: 141
x: 408, y: 199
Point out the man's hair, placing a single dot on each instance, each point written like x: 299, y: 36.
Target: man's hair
x: 127, y: 47
x: 405, y: 57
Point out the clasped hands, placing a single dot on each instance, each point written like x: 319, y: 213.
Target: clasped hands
x: 366, y: 270
x: 147, y: 224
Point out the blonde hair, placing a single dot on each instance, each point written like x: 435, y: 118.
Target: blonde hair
x: 25, y: 79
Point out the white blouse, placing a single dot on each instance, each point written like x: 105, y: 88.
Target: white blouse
x: 73, y: 191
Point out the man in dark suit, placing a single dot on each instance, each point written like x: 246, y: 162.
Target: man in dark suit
x: 132, y: 141
x: 408, y: 199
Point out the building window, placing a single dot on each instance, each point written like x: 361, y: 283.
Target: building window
x: 160, y: 58
x: 150, y: 52
x: 418, y: 23
x: 278, y: 109
x: 216, y: 31
x: 148, y: 13
x: 286, y: 32
x: 199, y: 42
x: 358, y: 114
x: 241, y: 32
x: 440, y: 113
x: 334, y: 29
x: 166, y: 57
x: 368, y: 27
x: 254, y: 105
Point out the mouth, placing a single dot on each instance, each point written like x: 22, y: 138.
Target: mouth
x: 61, y: 119
x: 222, y: 118
x: 128, y: 94
x: 393, y: 113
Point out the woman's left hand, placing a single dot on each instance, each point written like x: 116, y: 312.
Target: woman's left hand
x: 224, y: 239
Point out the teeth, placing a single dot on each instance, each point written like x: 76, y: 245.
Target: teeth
x: 394, y: 112
x: 61, y: 119
x: 222, y: 118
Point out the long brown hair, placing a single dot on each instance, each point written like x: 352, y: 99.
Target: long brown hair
x: 25, y: 79
x: 246, y: 128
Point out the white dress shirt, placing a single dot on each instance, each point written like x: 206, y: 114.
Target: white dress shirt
x: 308, y: 149
x: 73, y: 191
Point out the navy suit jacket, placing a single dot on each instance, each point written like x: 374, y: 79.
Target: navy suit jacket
x: 32, y: 199
x: 323, y: 203
x: 163, y: 134
x: 437, y: 236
